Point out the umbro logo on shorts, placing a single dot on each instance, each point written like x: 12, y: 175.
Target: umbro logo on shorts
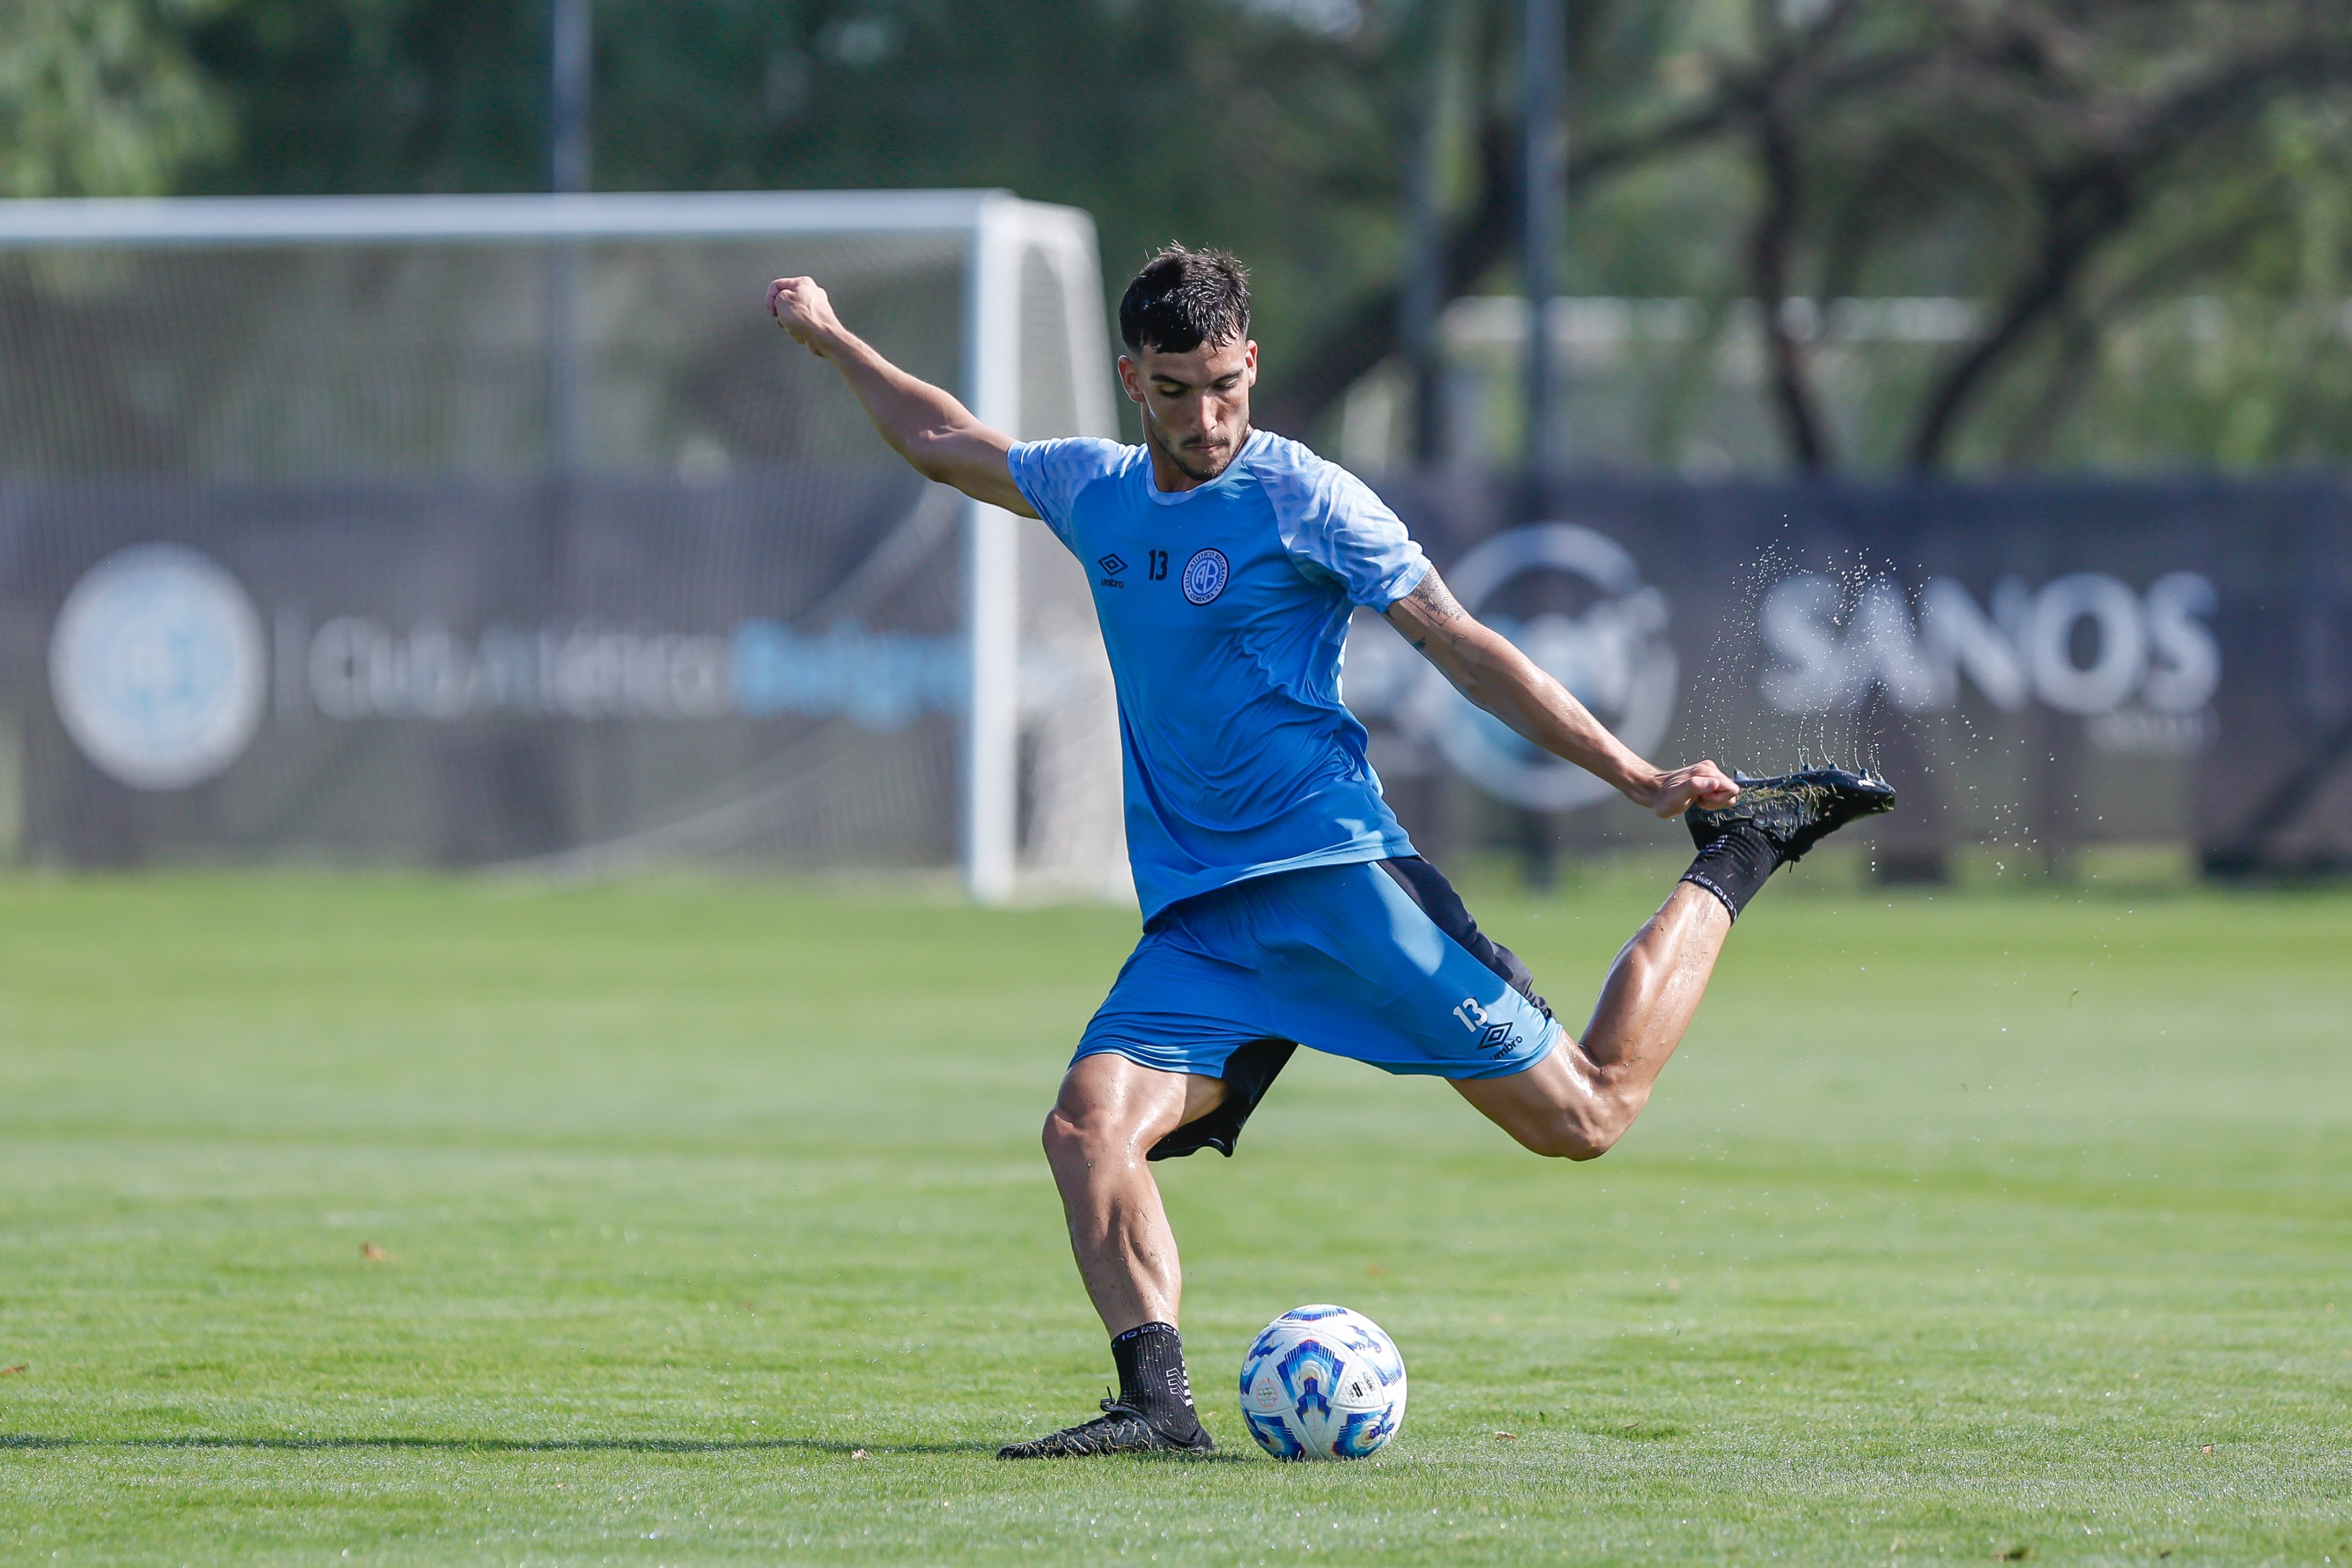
x: 1491, y: 1035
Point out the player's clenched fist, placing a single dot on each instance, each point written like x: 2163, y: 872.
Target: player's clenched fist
x: 1703, y: 785
x: 802, y: 308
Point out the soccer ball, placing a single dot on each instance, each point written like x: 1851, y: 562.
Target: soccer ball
x: 1322, y: 1383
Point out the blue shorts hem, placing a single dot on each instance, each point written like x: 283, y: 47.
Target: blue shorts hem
x: 1510, y: 1067
x: 1346, y: 960
x: 1210, y: 1061
x: 1203, y: 1062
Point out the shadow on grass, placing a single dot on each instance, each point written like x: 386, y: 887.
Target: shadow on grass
x: 502, y: 1444
x: 571, y: 1446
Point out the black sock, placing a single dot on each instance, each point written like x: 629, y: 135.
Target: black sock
x: 1735, y: 865
x: 1151, y: 1377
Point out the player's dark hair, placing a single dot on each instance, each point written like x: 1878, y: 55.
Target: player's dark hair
x: 1183, y: 298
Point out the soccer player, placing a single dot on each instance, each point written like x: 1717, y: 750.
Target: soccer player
x: 1283, y: 905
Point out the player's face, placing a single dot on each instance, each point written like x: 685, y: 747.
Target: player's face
x: 1195, y: 404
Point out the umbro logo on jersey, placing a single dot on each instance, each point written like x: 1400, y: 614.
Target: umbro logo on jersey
x: 1112, y: 564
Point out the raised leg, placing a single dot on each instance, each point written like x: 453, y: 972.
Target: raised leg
x: 1110, y: 1112
x: 1579, y: 1099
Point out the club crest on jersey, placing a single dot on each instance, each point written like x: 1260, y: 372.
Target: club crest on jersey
x: 1205, y: 575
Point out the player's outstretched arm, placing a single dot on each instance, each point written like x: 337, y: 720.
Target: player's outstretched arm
x: 1484, y: 667
x: 923, y: 423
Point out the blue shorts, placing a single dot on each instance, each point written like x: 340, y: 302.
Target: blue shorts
x: 1378, y: 961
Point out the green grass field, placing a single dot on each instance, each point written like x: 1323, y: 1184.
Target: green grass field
x: 1979, y: 1226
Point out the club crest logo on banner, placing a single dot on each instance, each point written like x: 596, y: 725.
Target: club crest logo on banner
x: 1613, y: 655
x: 158, y: 667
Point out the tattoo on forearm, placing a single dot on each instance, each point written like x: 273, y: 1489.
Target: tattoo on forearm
x: 1434, y: 604
x: 1435, y: 600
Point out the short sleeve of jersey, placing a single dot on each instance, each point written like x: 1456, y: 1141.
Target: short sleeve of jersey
x: 1333, y: 526
x: 1050, y: 473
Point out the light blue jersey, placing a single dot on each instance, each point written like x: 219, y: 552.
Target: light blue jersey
x: 1224, y: 609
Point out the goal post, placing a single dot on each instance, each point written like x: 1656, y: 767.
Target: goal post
x: 500, y: 529
x: 1033, y: 326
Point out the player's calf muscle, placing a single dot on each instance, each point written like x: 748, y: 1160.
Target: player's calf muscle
x: 1565, y: 1107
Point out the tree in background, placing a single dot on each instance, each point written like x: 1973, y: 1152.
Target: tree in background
x: 1275, y: 129
x: 2067, y: 164
x: 2070, y: 166
x: 2082, y: 171
x: 99, y: 97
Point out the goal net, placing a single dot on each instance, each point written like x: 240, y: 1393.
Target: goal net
x: 507, y: 530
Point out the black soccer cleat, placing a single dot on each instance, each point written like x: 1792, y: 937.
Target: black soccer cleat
x: 1119, y: 1429
x: 1795, y: 810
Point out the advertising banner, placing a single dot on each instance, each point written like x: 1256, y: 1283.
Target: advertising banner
x: 768, y: 665
x: 2037, y: 666
x: 463, y: 673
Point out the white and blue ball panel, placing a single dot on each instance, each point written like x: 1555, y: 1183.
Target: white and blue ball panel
x: 1321, y: 1381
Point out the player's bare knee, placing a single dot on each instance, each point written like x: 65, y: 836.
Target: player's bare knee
x: 1091, y: 1134
x: 1064, y: 1131
x: 1065, y: 1138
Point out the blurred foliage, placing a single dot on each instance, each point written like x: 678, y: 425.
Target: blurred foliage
x: 2077, y: 168
x: 1274, y: 129
x: 99, y: 97
x: 2068, y: 162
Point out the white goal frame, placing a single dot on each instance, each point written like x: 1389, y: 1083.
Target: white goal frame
x: 1001, y: 232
